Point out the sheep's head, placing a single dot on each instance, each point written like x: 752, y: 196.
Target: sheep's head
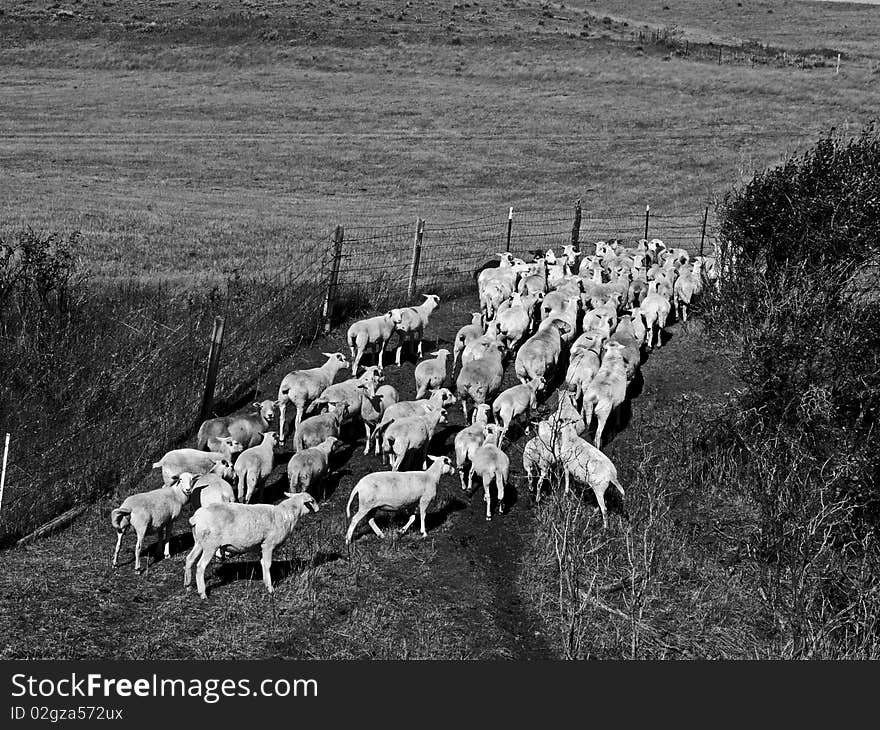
x: 185, y: 480
x: 271, y: 437
x: 301, y: 502
x: 433, y: 299
x: 443, y: 397
x: 333, y: 444
x: 223, y: 469
x: 370, y: 379
x: 337, y: 358
x: 442, y: 352
x: 561, y: 325
x: 395, y: 316
x: 481, y: 413
x: 447, y: 467
x: 266, y: 409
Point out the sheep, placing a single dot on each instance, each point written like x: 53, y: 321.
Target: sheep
x: 481, y: 379
x: 373, y: 410
x: 247, y: 429
x: 411, y: 435
x: 410, y: 323
x: 469, y: 439
x: 466, y: 335
x: 536, y: 282
x: 254, y: 465
x: 176, y: 462
x: 516, y: 401
x: 353, y: 392
x: 493, y: 297
x: 394, y: 490
x: 638, y: 325
x: 505, y: 271
x: 239, y: 527
x: 516, y: 322
x: 306, y: 467
x: 316, y: 429
x: 687, y: 286
x: 476, y: 348
x: 490, y: 463
x: 655, y: 309
x: 215, y: 486
x: 582, y: 368
x: 404, y: 409
x: 301, y: 387
x: 371, y: 333
x: 569, y: 314
x: 588, y: 465
x: 152, y: 511
x: 537, y: 459
x: 539, y: 355
x: 606, y: 391
x: 224, y: 445
x: 431, y: 374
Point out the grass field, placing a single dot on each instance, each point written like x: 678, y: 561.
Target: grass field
x: 193, y: 143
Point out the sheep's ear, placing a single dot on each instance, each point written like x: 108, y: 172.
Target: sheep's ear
x: 311, y: 506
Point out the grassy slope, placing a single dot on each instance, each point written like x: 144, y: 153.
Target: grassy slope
x: 229, y: 151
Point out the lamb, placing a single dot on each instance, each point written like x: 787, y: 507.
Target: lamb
x: 466, y: 335
x: 372, y: 333
x: 394, y: 490
x: 306, y: 467
x: 516, y: 401
x: 247, y: 429
x: 215, y: 486
x: 431, y: 374
x: 353, y: 392
x: 539, y: 355
x: 236, y: 528
x: 490, y: 463
x: 410, y: 323
x: 655, y: 309
x: 469, y: 439
x: 301, y: 387
x: 588, y: 465
x: 316, y: 429
x: 151, y: 512
x: 481, y: 379
x: 537, y: 459
x: 407, y: 436
x: 254, y: 465
x: 607, y: 390
x: 687, y: 286
x: 194, y: 461
x: 373, y: 410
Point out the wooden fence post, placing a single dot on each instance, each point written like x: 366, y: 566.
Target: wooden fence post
x: 719, y: 56
x: 416, y: 257
x: 330, y: 298
x: 647, y: 218
x: 837, y: 69
x: 509, y: 226
x: 576, y: 227
x: 703, y: 232
x: 3, y: 473
x: 211, y: 369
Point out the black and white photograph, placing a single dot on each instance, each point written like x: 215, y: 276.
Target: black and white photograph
x: 497, y: 330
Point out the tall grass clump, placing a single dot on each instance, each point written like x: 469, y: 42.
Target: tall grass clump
x: 800, y: 295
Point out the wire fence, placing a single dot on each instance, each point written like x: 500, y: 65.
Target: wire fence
x: 143, y: 396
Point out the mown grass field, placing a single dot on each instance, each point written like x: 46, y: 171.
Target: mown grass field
x: 188, y: 142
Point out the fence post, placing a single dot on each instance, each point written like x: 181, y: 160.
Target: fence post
x: 330, y: 298
x: 576, y: 227
x: 416, y: 257
x: 719, y: 56
x: 509, y: 227
x: 703, y: 232
x: 837, y: 69
x: 211, y: 369
x: 3, y: 473
x: 647, y: 218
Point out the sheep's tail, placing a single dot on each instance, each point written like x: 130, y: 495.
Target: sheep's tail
x: 618, y: 487
x: 354, y: 493
x: 157, y: 464
x: 120, y: 518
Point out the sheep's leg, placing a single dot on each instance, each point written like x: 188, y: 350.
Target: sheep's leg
x: 412, y: 518
x: 499, y: 483
x: 168, y: 533
x: 368, y: 436
x: 567, y: 482
x: 282, y: 411
x: 382, y: 355
x: 423, y: 509
x: 191, y: 558
x: 420, y: 348
x: 372, y: 523
x: 460, y: 476
x: 487, y: 497
x: 602, y: 414
x: 119, y: 534
x: 399, y: 350
x: 137, y: 550
x: 464, y: 409
x: 204, y: 559
x: 600, y: 498
x: 266, y: 562
x: 398, y: 460
x: 356, y: 518
x: 470, y: 484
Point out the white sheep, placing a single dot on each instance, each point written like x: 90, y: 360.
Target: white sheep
x: 588, y: 465
x: 315, y: 429
x: 538, y: 460
x: 469, y: 439
x: 517, y: 321
x: 539, y: 355
x: 688, y: 285
x: 640, y: 332
x: 410, y: 323
x: 371, y: 333
x: 480, y: 380
x: 490, y: 463
x: 431, y: 374
x: 395, y: 490
x: 353, y: 392
x: 216, y: 485
x: 466, y: 335
x: 607, y: 391
x: 411, y: 436
x: 247, y: 429
x: 224, y: 445
x: 582, y: 368
x: 151, y: 512
x: 236, y: 528
x: 373, y: 409
x: 301, y: 387
x: 655, y: 309
x: 306, y: 467
x: 514, y: 402
x: 254, y: 465
x: 404, y: 409
x: 177, y: 461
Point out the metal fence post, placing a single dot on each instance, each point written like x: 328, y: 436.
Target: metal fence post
x: 576, y: 227
x: 703, y: 232
x: 211, y: 369
x: 647, y: 218
x: 416, y: 257
x: 509, y: 226
x: 330, y: 297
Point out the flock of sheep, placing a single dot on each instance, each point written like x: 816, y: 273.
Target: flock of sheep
x: 579, y: 322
